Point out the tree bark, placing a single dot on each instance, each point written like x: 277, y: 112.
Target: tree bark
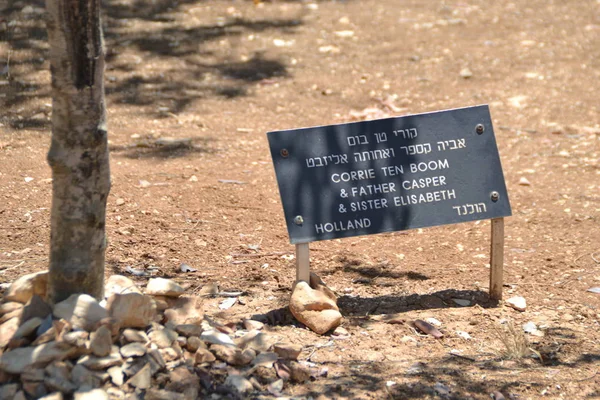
x: 78, y: 154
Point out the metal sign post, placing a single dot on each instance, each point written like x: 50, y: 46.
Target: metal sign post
x: 302, y: 262
x: 497, y: 258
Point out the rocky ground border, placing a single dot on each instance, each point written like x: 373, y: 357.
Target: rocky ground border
x: 155, y: 345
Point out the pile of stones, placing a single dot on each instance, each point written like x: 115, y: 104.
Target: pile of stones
x: 156, y: 345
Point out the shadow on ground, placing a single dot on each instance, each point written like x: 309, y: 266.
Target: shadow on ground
x: 447, y: 378
x: 152, y: 57
x: 451, y: 376
x: 391, y: 304
x: 356, y: 306
x: 164, y: 148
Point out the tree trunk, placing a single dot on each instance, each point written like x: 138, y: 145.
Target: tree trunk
x: 78, y: 153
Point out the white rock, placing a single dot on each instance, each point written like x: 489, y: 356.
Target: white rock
x: 415, y: 368
x: 517, y: 101
x: 21, y: 396
x: 463, y: 335
x: 116, y: 394
x: 98, y: 363
x: 52, y: 396
x: 300, y: 372
x: 215, y: 337
x: 240, y: 383
x: 256, y: 340
x: 101, y: 342
x: 33, y: 374
x: 203, y: 356
x: 315, y: 308
x: 134, y: 349
x: 288, y: 351
x: 276, y: 387
x: 532, y: 329
x: 17, y: 360
x: 163, y: 337
x: 161, y: 302
x: 119, y: 284
x: 132, y: 310
x: 131, y: 335
x: 210, y: 289
x: 76, y: 338
x: 344, y: 34
x: 409, y: 340
x: 58, y: 378
x: 524, y: 181
x: 227, y: 303
x: 517, y: 302
x: 116, y: 375
x: 161, y: 394
x: 529, y: 327
x: 265, y: 360
x: 233, y: 355
x: 188, y: 330
x: 340, y: 333
x: 23, y: 289
x: 184, y: 310
x: 329, y: 49
x: 163, y: 287
x: 81, y: 311
x: 8, y: 391
x: 59, y: 369
x: 142, y: 379
x: 466, y: 73
x: 194, y: 343
x: 83, y: 377
x: 282, y: 43
x: 9, y: 307
x: 7, y: 331
x: 94, y: 394
x: 251, y: 324
x: 433, y: 321
x: 36, y: 307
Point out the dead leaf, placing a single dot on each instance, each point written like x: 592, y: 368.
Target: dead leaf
x: 428, y: 328
x: 283, y: 371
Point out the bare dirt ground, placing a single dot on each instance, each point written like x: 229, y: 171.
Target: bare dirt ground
x: 225, y: 72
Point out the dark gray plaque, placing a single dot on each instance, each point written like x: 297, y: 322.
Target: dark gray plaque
x: 389, y: 175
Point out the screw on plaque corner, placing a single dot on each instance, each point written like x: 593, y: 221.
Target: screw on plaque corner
x: 495, y: 196
x: 298, y: 220
x: 479, y: 128
x: 284, y: 153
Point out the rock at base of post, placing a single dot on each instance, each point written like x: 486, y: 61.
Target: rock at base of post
x: 315, y: 308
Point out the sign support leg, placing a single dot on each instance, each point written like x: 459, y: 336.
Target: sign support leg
x: 497, y: 258
x: 302, y: 263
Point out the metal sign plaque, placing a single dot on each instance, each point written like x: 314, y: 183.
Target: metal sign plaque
x: 390, y: 174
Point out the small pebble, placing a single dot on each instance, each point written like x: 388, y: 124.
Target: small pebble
x: 517, y: 302
x: 524, y: 182
x: 466, y: 73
